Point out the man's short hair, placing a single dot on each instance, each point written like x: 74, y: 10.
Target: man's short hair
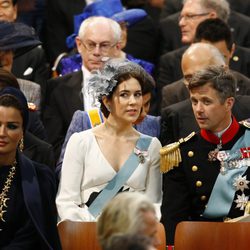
x: 100, y: 19
x: 214, y: 30
x: 219, y: 78
x: 221, y: 7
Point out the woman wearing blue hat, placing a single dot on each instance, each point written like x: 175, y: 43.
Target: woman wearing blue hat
x: 27, y: 189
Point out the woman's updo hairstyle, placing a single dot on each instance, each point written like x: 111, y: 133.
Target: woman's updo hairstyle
x: 115, y: 71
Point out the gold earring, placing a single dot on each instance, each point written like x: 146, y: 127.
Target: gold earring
x: 21, y: 145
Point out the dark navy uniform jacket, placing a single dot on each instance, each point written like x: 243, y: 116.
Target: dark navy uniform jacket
x: 187, y: 188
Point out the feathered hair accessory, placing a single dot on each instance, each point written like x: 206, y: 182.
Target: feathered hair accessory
x: 102, y: 82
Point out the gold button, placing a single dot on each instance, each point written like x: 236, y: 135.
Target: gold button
x: 194, y: 168
x: 190, y: 153
x: 198, y: 183
x: 203, y: 197
x: 236, y: 58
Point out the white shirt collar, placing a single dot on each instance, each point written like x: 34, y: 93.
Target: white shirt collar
x: 219, y: 134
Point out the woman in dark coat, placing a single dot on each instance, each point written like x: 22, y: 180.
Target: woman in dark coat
x: 27, y: 189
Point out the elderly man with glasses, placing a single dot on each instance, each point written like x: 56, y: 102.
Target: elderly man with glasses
x: 192, y: 14
x: 172, y: 35
x: 98, y: 39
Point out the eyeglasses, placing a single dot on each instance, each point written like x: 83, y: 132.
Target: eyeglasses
x: 191, y: 17
x: 103, y: 47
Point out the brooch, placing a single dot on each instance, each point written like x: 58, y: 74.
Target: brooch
x: 141, y: 154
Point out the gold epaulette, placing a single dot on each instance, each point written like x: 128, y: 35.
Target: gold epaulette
x: 31, y: 106
x: 245, y: 123
x: 171, y: 155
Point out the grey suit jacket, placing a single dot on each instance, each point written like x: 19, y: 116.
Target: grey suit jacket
x: 32, y: 91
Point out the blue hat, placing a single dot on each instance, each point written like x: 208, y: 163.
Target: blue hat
x: 17, y: 36
x: 18, y: 94
x: 108, y: 8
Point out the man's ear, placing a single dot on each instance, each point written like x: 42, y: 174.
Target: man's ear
x: 213, y: 14
x: 117, y: 50
x: 15, y: 12
x: 119, y: 45
x: 230, y: 102
x: 78, y: 44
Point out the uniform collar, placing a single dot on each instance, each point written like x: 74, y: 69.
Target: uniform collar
x: 226, y: 136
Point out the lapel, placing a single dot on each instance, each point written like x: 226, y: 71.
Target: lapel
x: 182, y: 91
x: 241, y: 109
x: 72, y: 96
x: 243, y: 83
x: 32, y: 195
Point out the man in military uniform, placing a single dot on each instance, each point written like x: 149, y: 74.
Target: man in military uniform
x: 206, y: 174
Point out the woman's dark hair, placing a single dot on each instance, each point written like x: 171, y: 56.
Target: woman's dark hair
x: 146, y: 82
x: 7, y: 79
x: 12, y: 97
x: 11, y: 101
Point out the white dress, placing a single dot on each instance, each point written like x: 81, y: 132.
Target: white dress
x: 85, y: 170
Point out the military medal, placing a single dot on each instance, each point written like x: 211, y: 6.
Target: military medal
x: 241, y: 201
x: 241, y: 183
x: 222, y: 156
x: 212, y: 155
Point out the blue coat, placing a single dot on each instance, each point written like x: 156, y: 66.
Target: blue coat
x: 39, y: 191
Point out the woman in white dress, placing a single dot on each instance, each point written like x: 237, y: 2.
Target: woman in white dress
x: 95, y: 156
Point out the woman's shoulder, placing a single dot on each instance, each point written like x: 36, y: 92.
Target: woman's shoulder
x: 43, y: 169
x: 82, y: 138
x: 83, y: 135
x: 153, y: 141
x: 39, y: 170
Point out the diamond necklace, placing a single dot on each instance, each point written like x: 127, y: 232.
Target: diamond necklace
x: 6, y: 187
